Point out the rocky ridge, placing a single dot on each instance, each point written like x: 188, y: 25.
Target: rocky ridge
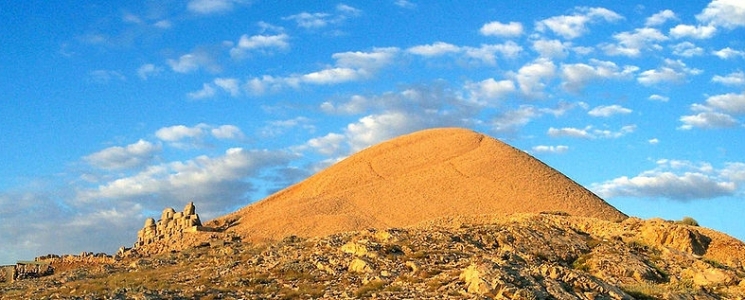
x: 525, y: 256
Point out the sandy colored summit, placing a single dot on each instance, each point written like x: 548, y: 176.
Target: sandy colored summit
x: 421, y: 176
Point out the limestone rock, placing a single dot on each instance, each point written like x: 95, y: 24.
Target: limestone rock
x: 171, y: 225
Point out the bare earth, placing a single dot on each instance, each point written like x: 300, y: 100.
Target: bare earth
x: 413, y: 178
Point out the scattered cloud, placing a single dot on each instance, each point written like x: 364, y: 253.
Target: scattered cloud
x: 632, y: 43
x: 590, y: 133
x: 207, y: 7
x: 609, y: 110
x: 673, y: 71
x: 694, y: 32
x: 106, y: 76
x: 486, y: 53
x: 182, y: 136
x: 729, y: 103
x: 404, y: 4
x: 320, y: 20
x: 675, y: 180
x: 550, y: 149
x: 576, y: 76
x: 570, y: 132
x: 660, y: 98
x: 653, y: 141
x: 575, y: 25
x: 660, y: 18
x: 732, y: 79
x: 707, y: 119
x: 725, y: 13
x: 552, y: 48
x: 147, y: 70
x: 490, y: 89
x: 259, y: 43
x: 533, y: 77
x: 687, y: 49
x: 191, y: 62
x: 511, y: 29
x: 727, y: 53
x: 131, y: 156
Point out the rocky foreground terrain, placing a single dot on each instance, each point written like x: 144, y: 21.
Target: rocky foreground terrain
x: 530, y: 256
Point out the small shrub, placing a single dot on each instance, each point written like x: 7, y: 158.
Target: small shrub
x: 688, y: 221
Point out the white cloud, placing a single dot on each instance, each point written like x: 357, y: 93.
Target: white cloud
x: 660, y: 18
x: 179, y: 132
x: 356, y: 104
x: 590, y: 133
x: 496, y: 28
x: 330, y: 144
x: 633, y: 43
x: 206, y: 7
x: 191, y: 62
x: 653, y: 141
x: 726, y: 13
x: 227, y: 132
x: 607, y: 111
x: 261, y: 43
x: 551, y: 48
x: 436, y: 49
x: 673, y: 71
x: 404, y: 4
x: 511, y: 120
x: 695, y: 32
x: 148, y: 70
x: 550, y: 149
x: 574, y: 26
x: 207, y: 91
x: 490, y: 89
x: 105, y: 76
x: 532, y: 77
x: 733, y: 79
x: 334, y: 76
x: 319, y: 20
x: 569, y: 132
x: 707, y: 120
x: 660, y: 98
x: 730, y: 103
x: 131, y: 156
x: 231, y: 85
x: 687, y: 49
x: 378, y: 58
x: 576, y: 76
x: 727, y: 53
x: 676, y: 180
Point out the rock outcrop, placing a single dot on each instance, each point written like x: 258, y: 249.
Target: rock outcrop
x: 171, y: 225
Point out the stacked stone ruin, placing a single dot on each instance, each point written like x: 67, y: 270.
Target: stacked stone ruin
x: 172, y: 224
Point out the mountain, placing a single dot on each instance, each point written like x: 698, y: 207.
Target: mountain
x: 425, y: 175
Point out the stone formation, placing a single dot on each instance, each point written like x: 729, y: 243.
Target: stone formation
x: 172, y: 224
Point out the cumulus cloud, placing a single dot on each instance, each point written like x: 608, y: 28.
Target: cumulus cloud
x: 207, y: 91
x: 486, y: 53
x: 609, y: 110
x: 147, y: 70
x: 575, y: 25
x: 193, y: 137
x: 730, y: 103
x: 725, y: 13
x: 691, y: 31
x: 707, y: 119
x: 550, y: 149
x: 660, y: 98
x: 191, y: 62
x: 319, y: 20
x: 206, y: 7
x: 675, y: 180
x: 727, y: 53
x: 533, y: 76
x: 660, y: 18
x: 496, y: 28
x: 576, y: 76
x: 261, y: 43
x: 551, y: 48
x: 673, y: 71
x: 687, y: 49
x: 490, y: 89
x: 632, y: 43
x: 216, y: 182
x: 733, y: 79
x: 130, y: 156
x: 590, y: 133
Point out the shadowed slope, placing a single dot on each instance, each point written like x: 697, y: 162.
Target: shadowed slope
x: 424, y: 175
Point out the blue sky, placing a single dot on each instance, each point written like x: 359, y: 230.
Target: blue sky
x: 112, y: 112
